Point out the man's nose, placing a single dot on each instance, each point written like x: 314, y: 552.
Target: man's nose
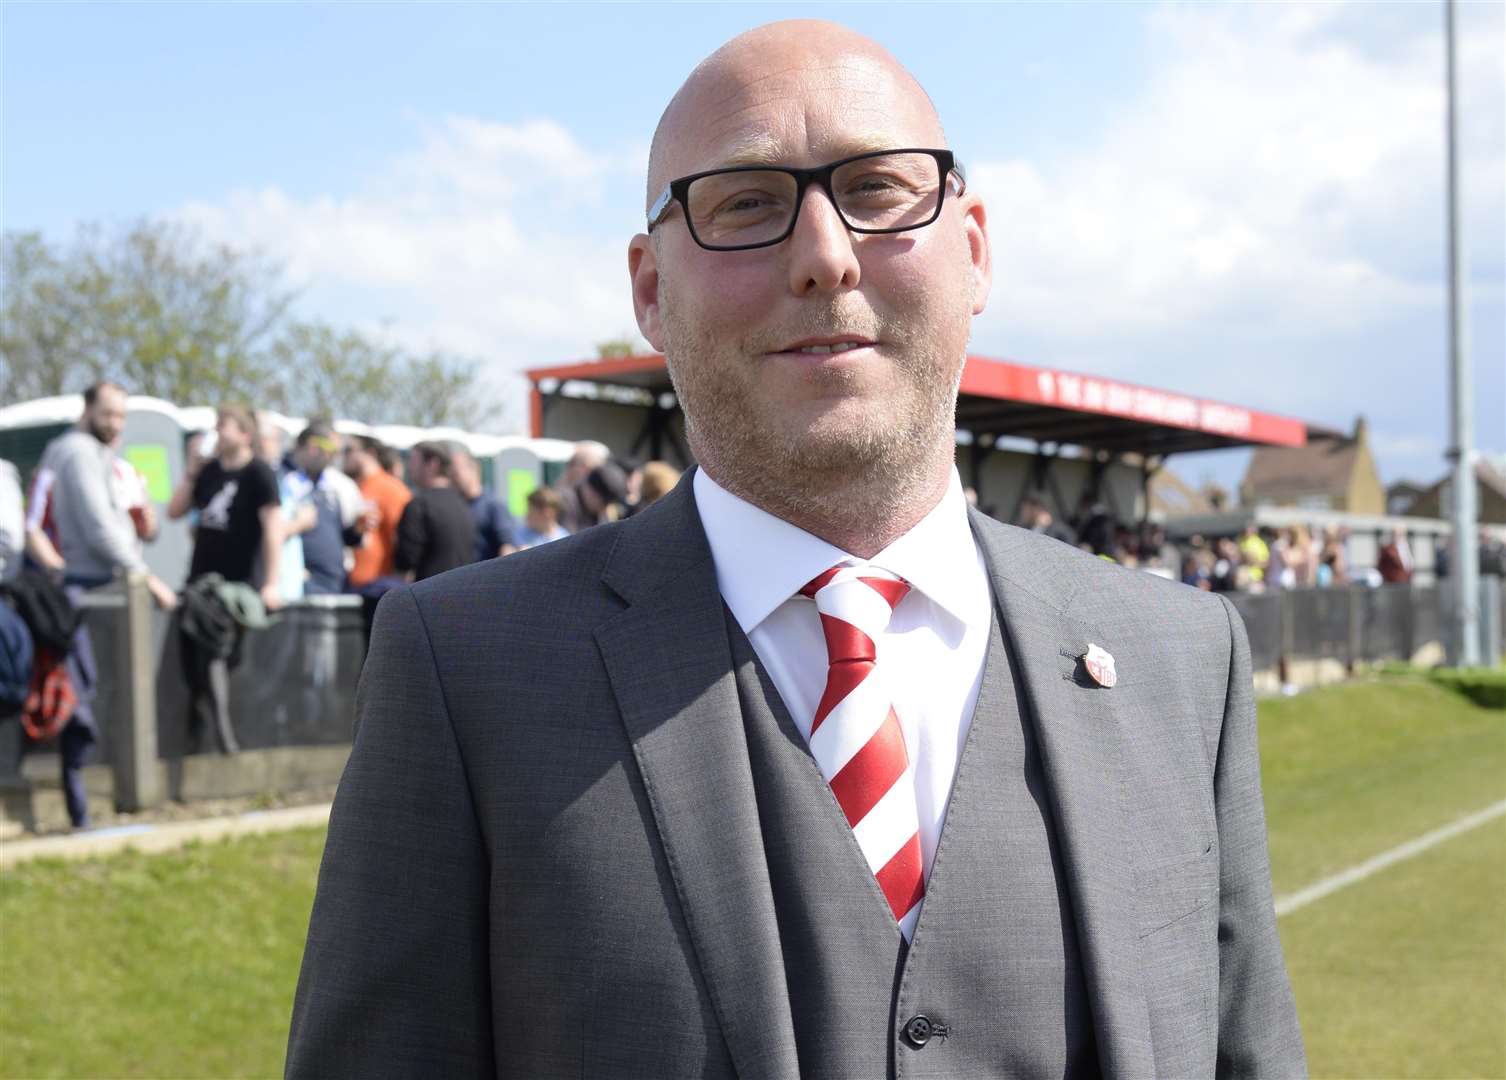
x: 821, y: 253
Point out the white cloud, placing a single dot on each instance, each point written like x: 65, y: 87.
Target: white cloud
x: 1260, y: 221
x: 1265, y: 178
x: 480, y: 241
x: 1264, y: 220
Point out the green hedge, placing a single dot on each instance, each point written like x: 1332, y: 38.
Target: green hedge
x: 1484, y: 686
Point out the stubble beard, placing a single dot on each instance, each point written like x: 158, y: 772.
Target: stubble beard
x: 99, y: 431
x: 832, y: 478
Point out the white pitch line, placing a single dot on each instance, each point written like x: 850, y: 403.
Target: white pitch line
x: 1285, y: 905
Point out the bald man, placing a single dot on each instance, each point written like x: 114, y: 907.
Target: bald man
x: 807, y: 770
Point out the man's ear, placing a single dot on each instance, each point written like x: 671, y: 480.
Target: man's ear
x: 643, y: 271
x: 975, y: 224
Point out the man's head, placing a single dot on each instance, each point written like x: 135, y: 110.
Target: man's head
x: 604, y: 486
x: 659, y: 479
x: 1030, y: 508
x: 235, y: 431
x: 587, y: 456
x: 430, y: 465
x: 360, y: 457
x: 317, y: 446
x: 466, y: 470
x: 104, y: 411
x: 544, y: 506
x: 390, y: 460
x: 747, y: 333
x: 271, y: 440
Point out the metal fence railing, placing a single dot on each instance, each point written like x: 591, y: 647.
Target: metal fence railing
x: 295, y: 687
x: 1362, y: 625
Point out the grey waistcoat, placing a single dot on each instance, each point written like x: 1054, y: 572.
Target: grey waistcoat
x: 994, y: 963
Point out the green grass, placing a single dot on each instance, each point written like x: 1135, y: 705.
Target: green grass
x: 1402, y: 974
x: 177, y: 965
x: 184, y: 965
x: 1350, y: 771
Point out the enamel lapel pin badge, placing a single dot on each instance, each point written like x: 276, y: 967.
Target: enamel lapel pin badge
x: 1100, y: 666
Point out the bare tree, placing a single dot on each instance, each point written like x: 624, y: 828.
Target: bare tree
x: 166, y: 313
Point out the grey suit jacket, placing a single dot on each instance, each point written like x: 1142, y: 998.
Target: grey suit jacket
x: 544, y: 858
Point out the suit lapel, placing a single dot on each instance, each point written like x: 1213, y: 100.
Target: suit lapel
x: 1082, y: 757
x: 669, y: 661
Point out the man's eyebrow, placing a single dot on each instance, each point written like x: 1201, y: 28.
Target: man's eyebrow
x: 763, y: 149
x: 759, y: 148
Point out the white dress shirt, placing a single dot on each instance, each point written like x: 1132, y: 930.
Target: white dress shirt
x: 931, y: 655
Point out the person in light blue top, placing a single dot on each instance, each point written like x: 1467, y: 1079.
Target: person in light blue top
x: 272, y: 448
x: 542, y: 522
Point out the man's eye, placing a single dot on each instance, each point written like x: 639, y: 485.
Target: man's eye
x: 752, y: 202
x: 875, y: 184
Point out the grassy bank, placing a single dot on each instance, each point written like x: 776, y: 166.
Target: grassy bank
x: 184, y: 965
x: 171, y: 965
x: 1402, y: 974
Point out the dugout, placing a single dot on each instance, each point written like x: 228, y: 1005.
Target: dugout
x: 1021, y: 429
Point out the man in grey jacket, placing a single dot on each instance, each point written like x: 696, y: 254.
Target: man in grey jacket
x: 96, y: 540
x: 807, y: 770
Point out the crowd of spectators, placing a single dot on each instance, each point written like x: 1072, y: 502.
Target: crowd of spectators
x: 1263, y: 559
x: 277, y: 521
x: 273, y: 522
x: 1259, y: 559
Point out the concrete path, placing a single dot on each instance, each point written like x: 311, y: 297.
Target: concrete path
x: 166, y: 836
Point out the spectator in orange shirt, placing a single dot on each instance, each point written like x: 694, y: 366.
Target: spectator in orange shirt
x: 385, y: 496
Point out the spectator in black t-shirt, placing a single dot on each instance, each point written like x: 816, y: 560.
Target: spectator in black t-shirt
x: 436, y: 532
x: 494, y: 525
x: 240, y: 538
x: 235, y: 493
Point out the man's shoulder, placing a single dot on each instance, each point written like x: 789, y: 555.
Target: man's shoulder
x: 68, y: 446
x: 383, y: 486
x: 264, y: 473
x: 449, y: 502
x: 339, y: 481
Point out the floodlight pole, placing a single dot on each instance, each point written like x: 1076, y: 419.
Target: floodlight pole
x: 1461, y: 451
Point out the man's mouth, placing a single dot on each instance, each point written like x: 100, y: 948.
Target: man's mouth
x: 819, y: 347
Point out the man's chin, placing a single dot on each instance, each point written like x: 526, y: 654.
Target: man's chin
x: 839, y: 442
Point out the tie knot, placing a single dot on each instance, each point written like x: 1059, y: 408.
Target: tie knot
x: 855, y: 603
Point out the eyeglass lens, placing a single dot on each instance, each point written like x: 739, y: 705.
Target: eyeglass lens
x: 890, y: 192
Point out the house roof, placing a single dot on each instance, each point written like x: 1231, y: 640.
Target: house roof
x: 1322, y: 466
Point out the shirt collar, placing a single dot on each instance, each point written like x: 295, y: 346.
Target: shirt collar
x: 762, y: 560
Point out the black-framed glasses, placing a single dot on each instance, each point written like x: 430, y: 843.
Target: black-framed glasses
x: 754, y: 206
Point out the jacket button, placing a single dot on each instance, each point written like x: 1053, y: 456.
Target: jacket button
x: 918, y: 1030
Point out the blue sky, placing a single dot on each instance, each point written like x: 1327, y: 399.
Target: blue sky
x: 1242, y: 202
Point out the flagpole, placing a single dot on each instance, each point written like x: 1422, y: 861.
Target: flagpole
x: 1461, y: 451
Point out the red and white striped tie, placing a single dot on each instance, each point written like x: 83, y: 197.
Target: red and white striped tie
x: 856, y: 738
